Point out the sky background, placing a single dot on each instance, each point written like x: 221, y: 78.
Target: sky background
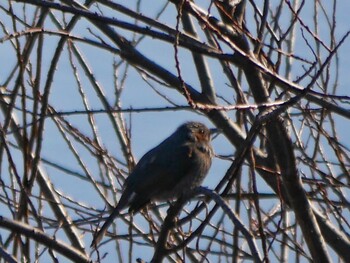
x: 147, y: 128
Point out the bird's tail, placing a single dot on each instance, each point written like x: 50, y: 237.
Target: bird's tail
x: 102, y: 231
x: 127, y: 196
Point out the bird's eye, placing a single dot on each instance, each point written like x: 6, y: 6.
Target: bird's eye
x: 201, y: 131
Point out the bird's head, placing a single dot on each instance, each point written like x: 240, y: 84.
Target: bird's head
x: 196, y: 132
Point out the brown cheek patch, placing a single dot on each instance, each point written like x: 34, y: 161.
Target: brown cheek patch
x: 202, y: 137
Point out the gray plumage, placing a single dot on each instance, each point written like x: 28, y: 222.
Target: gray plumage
x: 170, y: 170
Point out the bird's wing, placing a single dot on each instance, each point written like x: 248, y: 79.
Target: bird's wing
x: 160, y: 169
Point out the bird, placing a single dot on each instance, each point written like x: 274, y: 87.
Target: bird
x: 171, y: 170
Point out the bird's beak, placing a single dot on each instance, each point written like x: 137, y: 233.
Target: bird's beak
x: 214, y: 132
